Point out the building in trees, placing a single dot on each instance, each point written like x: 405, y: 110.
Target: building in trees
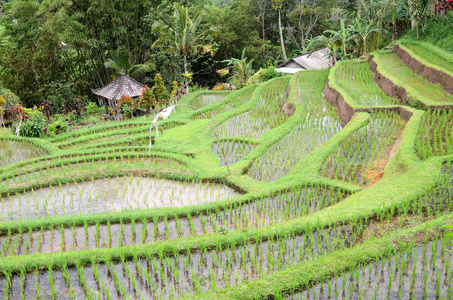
x: 316, y: 60
x: 112, y: 92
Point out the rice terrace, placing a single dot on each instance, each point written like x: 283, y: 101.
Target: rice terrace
x: 328, y: 183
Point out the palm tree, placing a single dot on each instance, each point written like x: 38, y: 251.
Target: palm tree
x: 343, y: 35
x: 183, y: 35
x: 362, y: 31
x: 122, y: 62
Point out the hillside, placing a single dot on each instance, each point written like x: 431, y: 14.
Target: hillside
x: 324, y: 184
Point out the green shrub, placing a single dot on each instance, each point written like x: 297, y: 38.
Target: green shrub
x: 270, y: 73
x: 59, y: 126
x: 93, y: 108
x: 33, y: 124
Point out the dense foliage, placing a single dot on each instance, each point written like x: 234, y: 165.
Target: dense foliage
x: 55, y: 50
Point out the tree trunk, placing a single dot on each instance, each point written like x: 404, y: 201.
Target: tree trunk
x: 413, y: 21
x: 281, y: 36
x: 106, y: 107
x: 395, y: 34
x: 187, y: 72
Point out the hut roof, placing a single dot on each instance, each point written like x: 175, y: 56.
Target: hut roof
x: 121, y: 85
x: 7, y: 106
x: 306, y: 61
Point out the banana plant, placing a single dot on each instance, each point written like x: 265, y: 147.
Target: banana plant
x: 342, y: 36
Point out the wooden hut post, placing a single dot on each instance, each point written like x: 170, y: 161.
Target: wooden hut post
x: 106, y: 107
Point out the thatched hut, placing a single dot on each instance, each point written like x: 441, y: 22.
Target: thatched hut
x: 109, y: 94
x: 7, y: 107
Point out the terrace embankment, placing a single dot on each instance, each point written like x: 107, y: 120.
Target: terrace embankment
x: 346, y: 111
x: 432, y: 74
x: 397, y: 80
x: 386, y: 84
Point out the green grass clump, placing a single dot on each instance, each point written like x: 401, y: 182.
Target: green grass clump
x: 436, y: 32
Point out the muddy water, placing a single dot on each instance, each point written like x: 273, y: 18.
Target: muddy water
x: 234, y: 151
x: 423, y: 273
x: 185, y: 274
x: 15, y: 151
x: 257, y: 214
x: 114, y: 194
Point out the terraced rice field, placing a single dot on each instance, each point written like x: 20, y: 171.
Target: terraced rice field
x: 392, y: 65
x: 356, y: 79
x: 308, y: 208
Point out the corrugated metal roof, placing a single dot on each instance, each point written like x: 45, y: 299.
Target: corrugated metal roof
x: 315, y: 60
x: 289, y: 70
x: 121, y: 85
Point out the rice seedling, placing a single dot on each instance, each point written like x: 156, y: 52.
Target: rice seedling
x: 207, y: 99
x: 237, y: 101
x: 100, y: 195
x: 435, y: 137
x: 422, y: 273
x: 234, y: 150
x: 356, y: 79
x: 203, y: 271
x: 14, y: 151
x: 317, y: 125
x: 265, y: 116
x: 258, y: 213
x: 361, y: 158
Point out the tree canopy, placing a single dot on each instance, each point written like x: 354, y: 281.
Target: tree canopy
x: 60, y: 49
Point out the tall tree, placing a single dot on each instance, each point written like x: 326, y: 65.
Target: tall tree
x: 306, y: 15
x: 184, y: 35
x: 277, y: 5
x: 263, y: 5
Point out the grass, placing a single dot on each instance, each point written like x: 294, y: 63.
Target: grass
x: 430, y: 53
x: 318, y: 123
x: 95, y: 217
x: 435, y: 137
x: 392, y: 65
x: 357, y: 80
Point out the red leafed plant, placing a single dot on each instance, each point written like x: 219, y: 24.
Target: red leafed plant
x: 444, y: 6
